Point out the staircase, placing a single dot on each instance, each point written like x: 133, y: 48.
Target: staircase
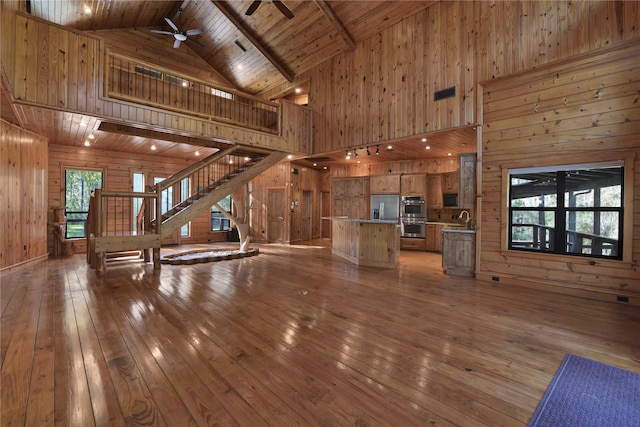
x: 209, y: 181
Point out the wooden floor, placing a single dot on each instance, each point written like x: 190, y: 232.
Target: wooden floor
x: 293, y: 336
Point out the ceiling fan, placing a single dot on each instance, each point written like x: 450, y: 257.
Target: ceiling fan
x: 281, y: 7
x: 180, y: 36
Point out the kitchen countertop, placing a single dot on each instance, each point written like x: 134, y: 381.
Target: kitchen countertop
x: 458, y: 230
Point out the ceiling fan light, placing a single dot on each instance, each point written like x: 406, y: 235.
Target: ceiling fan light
x: 180, y: 37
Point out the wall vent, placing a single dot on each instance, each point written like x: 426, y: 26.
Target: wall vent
x: 445, y: 93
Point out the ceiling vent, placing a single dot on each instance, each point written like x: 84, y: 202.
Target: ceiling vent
x: 444, y: 93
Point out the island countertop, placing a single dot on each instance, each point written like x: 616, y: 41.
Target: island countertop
x: 374, y: 243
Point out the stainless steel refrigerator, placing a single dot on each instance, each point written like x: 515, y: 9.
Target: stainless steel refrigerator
x: 385, y: 207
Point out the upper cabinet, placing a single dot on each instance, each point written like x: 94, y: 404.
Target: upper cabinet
x: 434, y: 191
x: 385, y: 184
x: 413, y: 185
x: 467, y: 192
x: 450, y: 182
x: 351, y: 197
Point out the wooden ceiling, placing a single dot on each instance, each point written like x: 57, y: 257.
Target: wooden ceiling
x: 277, y: 49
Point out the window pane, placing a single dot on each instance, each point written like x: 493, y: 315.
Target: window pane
x: 533, y: 229
x: 534, y: 190
x: 592, y: 232
x: 78, y: 187
x: 592, y: 188
x: 185, y: 186
x: 225, y: 204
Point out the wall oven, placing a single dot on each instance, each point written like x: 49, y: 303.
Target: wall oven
x: 413, y: 207
x: 413, y: 227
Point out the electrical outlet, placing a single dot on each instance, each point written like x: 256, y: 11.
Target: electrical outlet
x: 495, y: 278
x: 622, y: 298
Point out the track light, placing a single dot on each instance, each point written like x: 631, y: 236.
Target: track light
x: 377, y: 150
x: 368, y: 152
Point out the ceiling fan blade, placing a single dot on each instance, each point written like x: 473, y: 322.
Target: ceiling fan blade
x: 193, y: 32
x: 162, y: 32
x: 176, y: 44
x: 253, y: 7
x: 172, y: 25
x: 283, y: 8
x: 196, y: 42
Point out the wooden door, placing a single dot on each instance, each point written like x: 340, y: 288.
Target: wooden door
x: 326, y: 211
x: 306, y: 209
x: 276, y: 210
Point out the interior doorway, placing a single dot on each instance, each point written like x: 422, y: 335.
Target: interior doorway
x: 306, y: 210
x: 276, y: 210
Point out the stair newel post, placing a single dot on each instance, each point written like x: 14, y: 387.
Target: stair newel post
x: 101, y: 259
x: 158, y: 230
x: 146, y: 221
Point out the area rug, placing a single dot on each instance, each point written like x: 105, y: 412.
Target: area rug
x: 204, y: 255
x: 587, y: 393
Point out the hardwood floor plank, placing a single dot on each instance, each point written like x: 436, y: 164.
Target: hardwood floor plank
x: 17, y: 366
x: 292, y: 337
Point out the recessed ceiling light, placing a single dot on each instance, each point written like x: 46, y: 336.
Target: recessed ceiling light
x: 298, y: 90
x: 87, y: 144
x: 87, y: 10
x: 197, y: 153
x: 289, y: 157
x: 239, y: 67
x: 315, y: 164
x: 91, y: 136
x: 424, y: 139
x: 324, y: 167
x: 153, y: 147
x: 230, y: 161
x: 246, y: 159
x: 448, y: 154
x: 389, y: 147
x: 428, y: 147
x: 358, y: 161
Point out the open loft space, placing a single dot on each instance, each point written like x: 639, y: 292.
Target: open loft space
x: 440, y: 200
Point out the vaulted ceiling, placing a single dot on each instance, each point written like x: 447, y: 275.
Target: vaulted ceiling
x: 254, y: 53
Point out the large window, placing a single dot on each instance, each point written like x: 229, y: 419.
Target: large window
x: 570, y: 210
x: 218, y: 221
x: 78, y: 185
x: 185, y: 192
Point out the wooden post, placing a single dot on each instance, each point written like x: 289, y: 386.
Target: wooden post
x: 156, y: 258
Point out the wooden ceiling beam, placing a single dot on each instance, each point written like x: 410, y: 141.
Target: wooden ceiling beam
x: 328, y: 13
x: 162, y: 136
x: 253, y: 39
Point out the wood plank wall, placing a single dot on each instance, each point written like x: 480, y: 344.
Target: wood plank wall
x: 23, y: 194
x: 580, y: 110
x: 383, y: 90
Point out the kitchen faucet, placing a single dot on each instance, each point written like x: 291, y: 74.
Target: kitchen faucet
x: 468, y: 220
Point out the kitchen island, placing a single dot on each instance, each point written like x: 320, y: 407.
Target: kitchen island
x: 374, y: 243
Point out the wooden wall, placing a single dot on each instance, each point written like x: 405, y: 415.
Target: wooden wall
x: 23, y: 195
x: 580, y: 110
x: 383, y: 90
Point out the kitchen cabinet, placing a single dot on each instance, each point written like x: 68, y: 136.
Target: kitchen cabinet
x: 451, y: 182
x: 385, y: 184
x: 412, y: 243
x: 434, y: 191
x: 458, y: 252
x: 350, y: 197
x: 413, y: 185
x: 433, y: 237
x: 467, y: 193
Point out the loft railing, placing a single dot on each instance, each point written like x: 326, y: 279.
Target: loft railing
x: 132, y: 80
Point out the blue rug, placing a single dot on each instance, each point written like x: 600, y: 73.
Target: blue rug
x: 587, y: 393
